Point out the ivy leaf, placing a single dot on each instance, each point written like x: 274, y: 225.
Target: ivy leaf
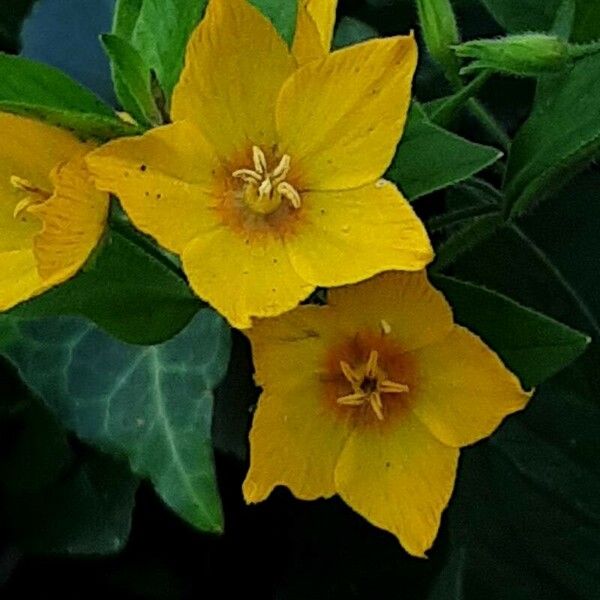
x: 33, y: 89
x: 152, y: 405
x: 430, y: 158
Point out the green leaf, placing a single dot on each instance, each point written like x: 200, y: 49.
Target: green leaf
x: 352, y: 31
x: 525, y: 515
x: 560, y: 138
x: 533, y: 346
x: 430, y: 158
x: 33, y: 89
x: 525, y: 512
x: 517, y: 16
x: 467, y: 237
x: 586, y: 27
x: 124, y: 289
x: 126, y: 15
x: 54, y: 501
x: 152, y: 405
x: 281, y: 14
x: 161, y: 33
x: 88, y: 511
x: 131, y: 77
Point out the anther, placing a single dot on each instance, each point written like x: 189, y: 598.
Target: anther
x: 368, y: 382
x: 271, y: 186
x: 288, y: 191
x: 371, y: 369
x: 386, y: 328
x: 260, y: 160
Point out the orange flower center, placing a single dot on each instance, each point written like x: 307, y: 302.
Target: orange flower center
x: 264, y: 189
x: 34, y: 197
x: 369, y: 377
x: 369, y: 381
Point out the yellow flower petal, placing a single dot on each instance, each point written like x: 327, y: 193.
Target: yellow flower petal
x: 403, y: 306
x: 464, y: 390
x: 29, y: 152
x: 74, y: 219
x: 235, y: 65
x: 163, y: 178
x: 19, y: 279
x: 242, y: 277
x: 314, y: 29
x: 354, y: 234
x: 340, y: 118
x: 296, y: 438
x: 399, y: 479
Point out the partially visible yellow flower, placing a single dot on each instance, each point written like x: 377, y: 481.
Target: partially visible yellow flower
x: 51, y: 216
x: 267, y: 183
x: 314, y: 29
x: 371, y: 397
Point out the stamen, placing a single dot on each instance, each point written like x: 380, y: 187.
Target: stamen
x: 260, y: 160
x: 282, y: 169
x: 368, y: 382
x: 376, y: 404
x: 350, y: 374
x: 355, y: 399
x: 265, y: 188
x: 247, y: 175
x: 271, y: 186
x: 371, y: 369
x: 386, y: 328
x: 288, y: 191
x: 391, y: 387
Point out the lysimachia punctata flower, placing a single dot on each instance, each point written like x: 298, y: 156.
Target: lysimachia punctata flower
x: 51, y: 216
x: 267, y: 183
x: 371, y: 397
x: 314, y: 29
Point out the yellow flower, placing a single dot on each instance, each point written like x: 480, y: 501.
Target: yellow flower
x: 51, y: 216
x: 314, y: 29
x: 371, y: 397
x: 267, y: 183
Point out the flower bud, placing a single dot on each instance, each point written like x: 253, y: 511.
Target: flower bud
x: 524, y: 54
x: 440, y: 33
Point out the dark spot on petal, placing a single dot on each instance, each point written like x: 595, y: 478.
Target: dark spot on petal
x: 388, y: 465
x: 143, y: 168
x: 158, y: 196
x: 275, y: 261
x: 146, y: 194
